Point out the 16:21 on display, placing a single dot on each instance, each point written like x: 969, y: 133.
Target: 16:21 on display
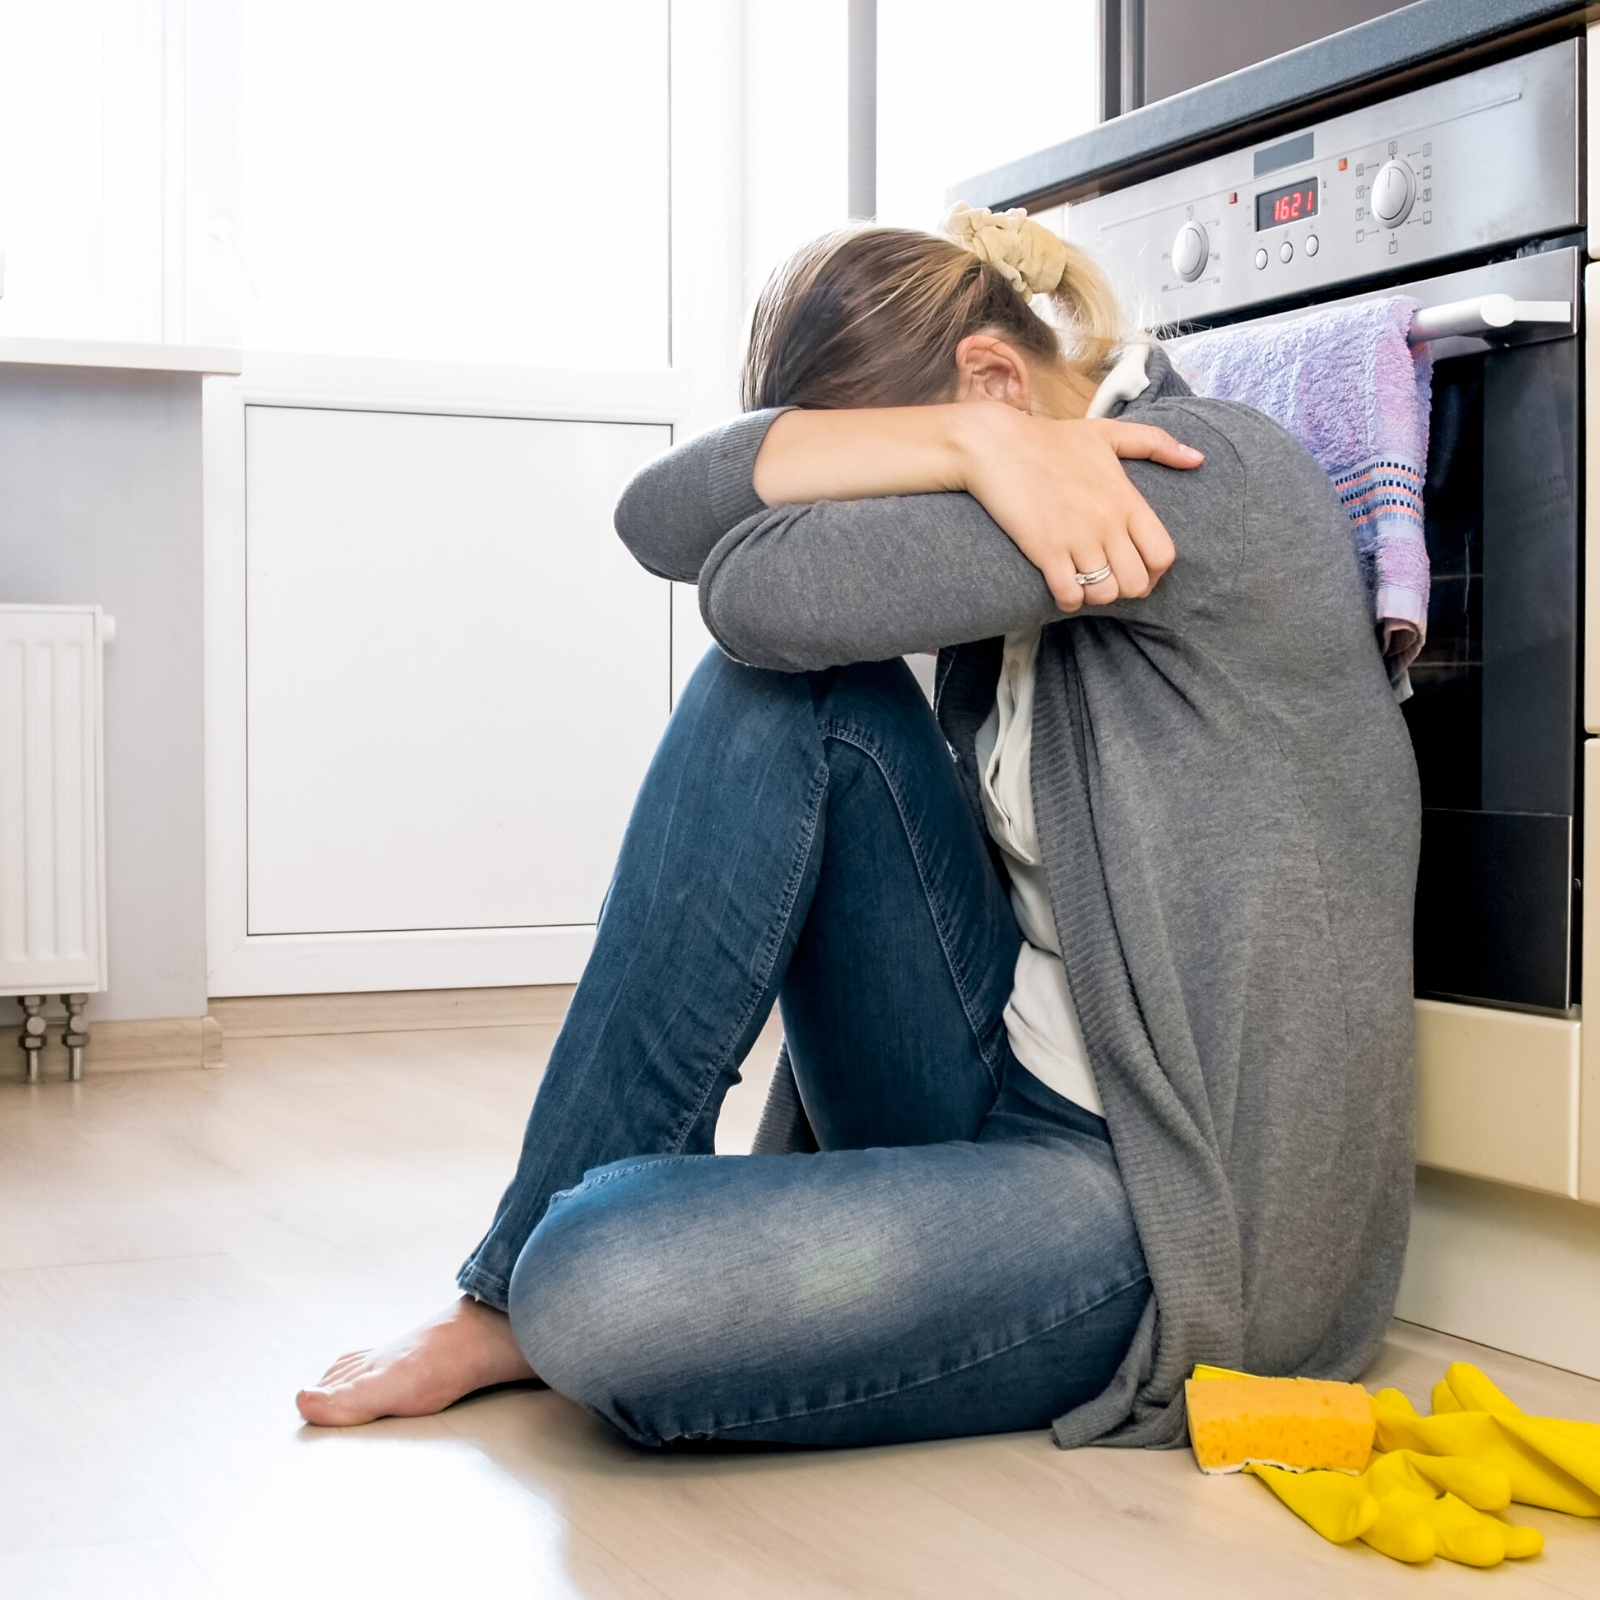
x: 1278, y: 206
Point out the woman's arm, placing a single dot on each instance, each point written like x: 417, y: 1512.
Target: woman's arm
x: 801, y: 587
x: 675, y: 510
x: 1056, y: 488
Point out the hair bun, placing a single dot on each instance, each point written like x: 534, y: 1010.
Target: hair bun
x: 1031, y: 258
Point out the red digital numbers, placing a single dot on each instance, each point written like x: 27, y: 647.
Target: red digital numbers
x: 1302, y: 202
x: 1290, y: 204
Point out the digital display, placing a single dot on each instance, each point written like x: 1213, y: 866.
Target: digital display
x: 1278, y: 206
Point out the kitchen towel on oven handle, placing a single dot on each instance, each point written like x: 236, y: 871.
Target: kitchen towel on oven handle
x: 1346, y: 384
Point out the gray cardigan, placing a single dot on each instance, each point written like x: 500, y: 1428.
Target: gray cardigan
x: 1228, y: 808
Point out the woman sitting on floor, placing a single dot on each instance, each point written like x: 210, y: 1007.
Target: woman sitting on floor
x: 1096, y: 989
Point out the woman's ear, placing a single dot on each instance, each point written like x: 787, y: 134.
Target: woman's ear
x: 987, y: 368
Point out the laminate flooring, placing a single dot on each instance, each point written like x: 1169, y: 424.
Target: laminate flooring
x: 180, y: 1250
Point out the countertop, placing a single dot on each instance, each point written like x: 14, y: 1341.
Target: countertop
x: 1401, y: 50
x: 117, y: 354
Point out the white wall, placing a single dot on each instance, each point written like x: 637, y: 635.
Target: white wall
x: 963, y: 90
x: 100, y: 505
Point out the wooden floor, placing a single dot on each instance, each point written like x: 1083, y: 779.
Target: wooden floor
x: 179, y: 1250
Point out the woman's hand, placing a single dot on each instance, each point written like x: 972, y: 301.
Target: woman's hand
x: 1056, y: 488
x: 1059, y: 491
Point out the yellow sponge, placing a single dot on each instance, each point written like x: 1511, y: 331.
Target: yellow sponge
x: 1300, y: 1423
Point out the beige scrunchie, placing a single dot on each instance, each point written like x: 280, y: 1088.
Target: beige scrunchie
x: 1031, y: 257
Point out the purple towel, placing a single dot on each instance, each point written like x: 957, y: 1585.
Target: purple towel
x: 1346, y: 384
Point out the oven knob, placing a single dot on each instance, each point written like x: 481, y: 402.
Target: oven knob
x: 1190, y: 251
x: 1393, y: 190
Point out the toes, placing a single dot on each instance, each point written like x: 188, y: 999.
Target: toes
x: 315, y: 1405
x: 334, y: 1407
x: 345, y: 1363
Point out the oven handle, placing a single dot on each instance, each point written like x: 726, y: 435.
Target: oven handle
x: 1485, y: 314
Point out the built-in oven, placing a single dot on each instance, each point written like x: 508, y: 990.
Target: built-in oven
x: 1482, y: 168
x: 1468, y: 195
x: 1494, y: 712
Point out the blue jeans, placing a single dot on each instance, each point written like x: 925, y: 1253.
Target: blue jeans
x: 958, y: 1257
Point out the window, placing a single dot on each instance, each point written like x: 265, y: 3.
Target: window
x: 484, y: 182
x: 82, y: 169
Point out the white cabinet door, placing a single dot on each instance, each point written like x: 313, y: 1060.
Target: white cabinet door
x: 433, y: 677
x: 456, y: 675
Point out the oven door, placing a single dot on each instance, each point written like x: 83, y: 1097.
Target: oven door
x: 1494, y: 718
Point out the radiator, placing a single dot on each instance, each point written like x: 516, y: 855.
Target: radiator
x: 52, y: 817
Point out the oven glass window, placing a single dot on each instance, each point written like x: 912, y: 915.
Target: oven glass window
x: 1290, y: 204
x: 1446, y: 711
x: 1494, y: 717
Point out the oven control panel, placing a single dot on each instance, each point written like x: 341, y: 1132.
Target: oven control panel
x: 1457, y: 168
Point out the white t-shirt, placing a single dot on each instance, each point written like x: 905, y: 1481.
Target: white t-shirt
x: 1041, y: 1019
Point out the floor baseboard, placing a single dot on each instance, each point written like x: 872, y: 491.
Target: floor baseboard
x: 145, y: 1044
x: 388, y: 1011
x: 1505, y: 1267
x: 156, y: 1044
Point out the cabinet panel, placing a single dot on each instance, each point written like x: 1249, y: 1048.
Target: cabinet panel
x: 456, y: 674
x: 1589, y: 1092
x: 1497, y: 1095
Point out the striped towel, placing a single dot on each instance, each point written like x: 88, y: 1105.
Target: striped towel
x: 1346, y: 384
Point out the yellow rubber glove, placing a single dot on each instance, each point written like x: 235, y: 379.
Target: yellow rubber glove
x: 1547, y: 1462
x: 1410, y: 1507
x: 1465, y: 1388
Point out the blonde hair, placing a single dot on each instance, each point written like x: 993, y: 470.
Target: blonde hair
x: 872, y: 316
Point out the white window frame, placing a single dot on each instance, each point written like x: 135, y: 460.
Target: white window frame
x: 706, y: 177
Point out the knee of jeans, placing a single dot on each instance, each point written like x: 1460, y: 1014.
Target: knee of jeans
x: 591, y: 1303
x: 724, y: 689
x: 868, y: 690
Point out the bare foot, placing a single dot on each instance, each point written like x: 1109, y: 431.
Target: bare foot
x: 467, y: 1347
